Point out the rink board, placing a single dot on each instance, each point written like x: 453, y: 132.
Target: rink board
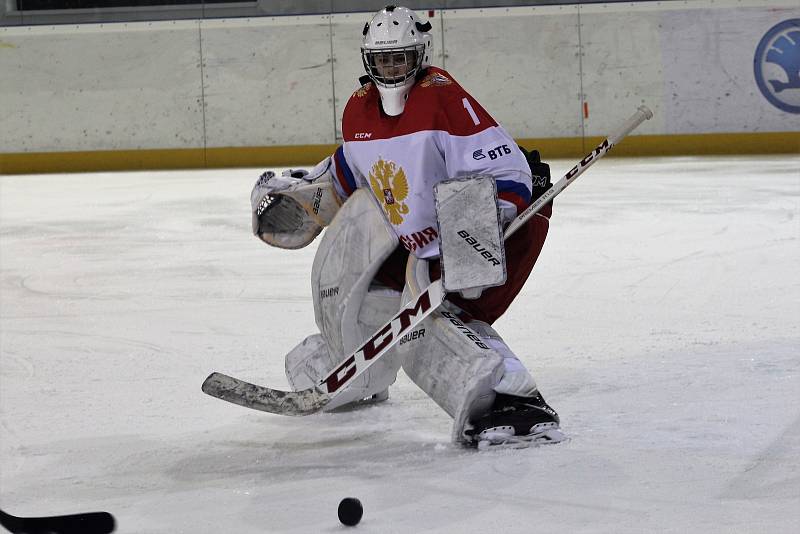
x: 186, y: 93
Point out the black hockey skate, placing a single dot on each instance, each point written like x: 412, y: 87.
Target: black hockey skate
x: 515, y: 422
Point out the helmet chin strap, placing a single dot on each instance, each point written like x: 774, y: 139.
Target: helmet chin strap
x: 393, y: 99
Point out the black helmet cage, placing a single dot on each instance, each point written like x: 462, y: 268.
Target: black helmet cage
x: 412, y: 57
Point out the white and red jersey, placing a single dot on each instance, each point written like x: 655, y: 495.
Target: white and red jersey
x: 443, y: 133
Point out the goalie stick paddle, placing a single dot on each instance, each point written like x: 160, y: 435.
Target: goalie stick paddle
x: 313, y: 399
x: 88, y: 523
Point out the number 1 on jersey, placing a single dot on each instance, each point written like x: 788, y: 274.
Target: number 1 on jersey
x: 471, y: 111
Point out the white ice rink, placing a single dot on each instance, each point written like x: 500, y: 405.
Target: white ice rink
x: 662, y: 321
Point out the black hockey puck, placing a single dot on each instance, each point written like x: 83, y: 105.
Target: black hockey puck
x: 350, y: 511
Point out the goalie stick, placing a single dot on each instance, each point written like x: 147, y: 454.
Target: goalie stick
x: 312, y: 400
x: 88, y: 523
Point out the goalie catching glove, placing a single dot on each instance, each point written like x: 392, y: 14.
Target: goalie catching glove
x: 290, y: 210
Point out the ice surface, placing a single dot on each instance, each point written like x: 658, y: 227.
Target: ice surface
x: 661, y: 321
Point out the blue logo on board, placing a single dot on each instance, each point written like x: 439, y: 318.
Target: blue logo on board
x: 777, y: 65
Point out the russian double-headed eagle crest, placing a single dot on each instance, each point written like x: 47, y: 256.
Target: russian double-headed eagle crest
x: 363, y: 90
x: 390, y: 186
x: 435, y: 79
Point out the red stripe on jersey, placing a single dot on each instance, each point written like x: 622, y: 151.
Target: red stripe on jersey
x: 340, y: 175
x: 436, y: 102
x: 515, y: 199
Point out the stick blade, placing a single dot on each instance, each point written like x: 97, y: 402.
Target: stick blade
x: 228, y: 388
x: 87, y: 523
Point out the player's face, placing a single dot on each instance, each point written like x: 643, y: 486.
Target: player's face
x: 394, y: 65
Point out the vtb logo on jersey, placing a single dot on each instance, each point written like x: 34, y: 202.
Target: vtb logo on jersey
x: 389, y: 183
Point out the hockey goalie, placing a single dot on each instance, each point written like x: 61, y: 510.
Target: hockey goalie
x: 420, y: 189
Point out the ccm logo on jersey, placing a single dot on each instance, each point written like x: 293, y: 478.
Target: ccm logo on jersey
x: 496, y: 152
x: 478, y: 247
x: 363, y: 135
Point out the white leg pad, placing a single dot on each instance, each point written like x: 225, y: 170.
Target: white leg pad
x: 308, y: 362
x: 450, y: 363
x: 311, y: 360
x: 448, y: 360
x: 350, y: 253
x: 376, y: 308
x: 461, y: 367
x: 347, y: 310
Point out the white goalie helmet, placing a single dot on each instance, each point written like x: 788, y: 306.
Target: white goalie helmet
x: 396, y: 46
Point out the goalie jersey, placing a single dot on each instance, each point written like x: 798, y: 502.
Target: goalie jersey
x: 443, y: 133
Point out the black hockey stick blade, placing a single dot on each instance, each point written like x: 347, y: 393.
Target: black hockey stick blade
x: 227, y: 388
x: 88, y: 523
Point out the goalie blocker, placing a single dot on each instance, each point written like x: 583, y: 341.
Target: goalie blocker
x: 470, y: 241
x: 521, y: 253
